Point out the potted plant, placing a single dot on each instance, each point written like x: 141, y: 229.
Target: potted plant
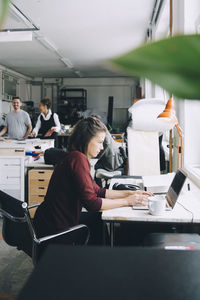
x: 172, y: 63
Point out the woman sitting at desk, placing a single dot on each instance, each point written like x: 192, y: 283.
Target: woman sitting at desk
x: 48, y: 124
x: 71, y: 187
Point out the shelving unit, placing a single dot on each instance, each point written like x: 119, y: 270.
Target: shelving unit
x: 70, y: 102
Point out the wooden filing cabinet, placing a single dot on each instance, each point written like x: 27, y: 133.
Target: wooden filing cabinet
x: 38, y: 181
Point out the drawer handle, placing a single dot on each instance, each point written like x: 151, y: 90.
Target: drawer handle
x: 41, y: 196
x: 41, y: 188
x: 11, y: 165
x: 40, y: 179
x: 41, y: 172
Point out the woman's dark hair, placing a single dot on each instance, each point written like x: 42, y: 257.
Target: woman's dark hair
x: 83, y: 132
x: 47, y: 102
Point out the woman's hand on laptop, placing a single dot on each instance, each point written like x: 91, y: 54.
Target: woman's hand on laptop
x: 138, y: 198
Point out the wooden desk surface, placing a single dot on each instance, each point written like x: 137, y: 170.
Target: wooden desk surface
x: 114, y: 273
x: 189, y: 199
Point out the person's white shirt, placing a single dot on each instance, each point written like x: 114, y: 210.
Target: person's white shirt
x: 46, y: 118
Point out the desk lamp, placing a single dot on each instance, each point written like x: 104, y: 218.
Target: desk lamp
x: 169, y: 117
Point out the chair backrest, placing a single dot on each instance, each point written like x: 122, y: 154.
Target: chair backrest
x: 15, y: 230
x: 18, y: 229
x: 11, y: 205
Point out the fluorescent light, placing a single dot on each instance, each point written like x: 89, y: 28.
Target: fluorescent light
x: 67, y: 62
x: 47, y: 44
x: 16, y: 36
x: 78, y: 73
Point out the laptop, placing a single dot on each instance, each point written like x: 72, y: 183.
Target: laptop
x: 173, y: 191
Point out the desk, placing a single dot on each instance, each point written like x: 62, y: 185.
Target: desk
x: 118, y: 273
x: 189, y: 199
x: 14, y: 163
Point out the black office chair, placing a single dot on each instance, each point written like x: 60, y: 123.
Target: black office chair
x: 18, y: 229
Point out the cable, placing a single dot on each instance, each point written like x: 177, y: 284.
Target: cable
x: 187, y: 210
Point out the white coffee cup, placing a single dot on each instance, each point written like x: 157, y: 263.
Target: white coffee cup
x: 157, y: 205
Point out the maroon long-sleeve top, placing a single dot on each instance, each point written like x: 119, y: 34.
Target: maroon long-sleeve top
x: 70, y: 189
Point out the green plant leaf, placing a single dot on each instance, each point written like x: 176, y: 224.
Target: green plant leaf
x: 3, y: 11
x: 173, y: 63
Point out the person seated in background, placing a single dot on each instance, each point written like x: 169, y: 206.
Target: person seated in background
x: 112, y: 157
x: 17, y: 122
x: 71, y: 187
x: 48, y: 124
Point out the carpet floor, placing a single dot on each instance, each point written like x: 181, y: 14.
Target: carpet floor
x: 15, y: 268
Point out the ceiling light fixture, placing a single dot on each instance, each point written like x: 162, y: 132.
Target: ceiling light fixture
x: 78, y: 73
x: 21, y: 16
x: 46, y: 43
x: 16, y: 36
x: 67, y: 62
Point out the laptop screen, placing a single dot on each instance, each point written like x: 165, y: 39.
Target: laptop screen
x: 176, y: 187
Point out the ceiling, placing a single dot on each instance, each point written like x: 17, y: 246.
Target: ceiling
x: 87, y: 32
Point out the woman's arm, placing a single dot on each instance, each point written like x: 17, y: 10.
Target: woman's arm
x: 115, y: 194
x: 57, y: 123
x: 136, y: 198
x: 37, y: 127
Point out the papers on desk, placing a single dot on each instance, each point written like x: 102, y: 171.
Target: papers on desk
x: 158, y: 184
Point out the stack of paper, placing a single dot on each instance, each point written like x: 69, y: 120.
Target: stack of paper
x: 158, y: 183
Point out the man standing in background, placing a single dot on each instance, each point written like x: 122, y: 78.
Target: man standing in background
x: 18, y: 122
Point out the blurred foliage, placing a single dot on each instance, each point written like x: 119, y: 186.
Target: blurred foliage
x: 172, y: 63
x: 3, y: 11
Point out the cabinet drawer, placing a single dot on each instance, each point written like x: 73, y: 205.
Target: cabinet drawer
x: 10, y: 181
x: 33, y: 199
x: 12, y: 152
x: 10, y: 162
x: 38, y: 183
x: 40, y: 174
x: 10, y: 171
x: 37, y: 190
x: 10, y: 175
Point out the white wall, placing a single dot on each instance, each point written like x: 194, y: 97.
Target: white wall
x: 186, y: 19
x: 191, y: 16
x: 192, y: 136
x: 98, y: 90
x: 36, y: 94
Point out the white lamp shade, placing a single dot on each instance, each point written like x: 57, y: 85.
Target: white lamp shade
x: 144, y: 115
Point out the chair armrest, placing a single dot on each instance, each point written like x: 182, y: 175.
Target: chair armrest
x: 12, y: 218
x: 70, y: 230
x: 34, y: 205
